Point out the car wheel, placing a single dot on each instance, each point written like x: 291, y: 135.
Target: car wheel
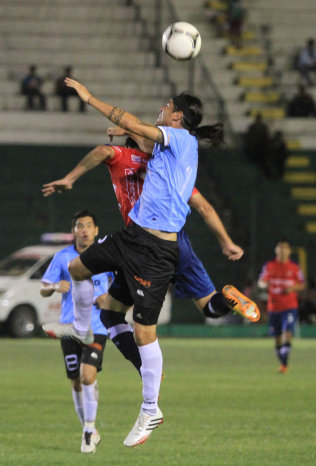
x: 22, y: 322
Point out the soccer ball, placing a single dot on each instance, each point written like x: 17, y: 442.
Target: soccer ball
x: 181, y: 41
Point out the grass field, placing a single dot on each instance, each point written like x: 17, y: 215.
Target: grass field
x: 223, y: 402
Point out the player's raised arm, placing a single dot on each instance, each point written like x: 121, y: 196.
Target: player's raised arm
x: 118, y: 116
x: 144, y: 144
x: 231, y: 250
x: 90, y: 161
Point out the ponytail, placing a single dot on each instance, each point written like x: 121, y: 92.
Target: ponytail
x: 210, y: 135
x: 192, y: 110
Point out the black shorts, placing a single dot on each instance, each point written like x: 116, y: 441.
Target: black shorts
x: 145, y: 266
x: 76, y: 353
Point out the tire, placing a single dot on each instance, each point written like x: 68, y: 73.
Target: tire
x: 22, y: 322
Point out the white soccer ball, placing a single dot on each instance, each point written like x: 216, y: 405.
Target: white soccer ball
x: 181, y: 41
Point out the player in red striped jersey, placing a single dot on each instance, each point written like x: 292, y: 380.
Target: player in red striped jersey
x: 284, y: 279
x: 127, y: 168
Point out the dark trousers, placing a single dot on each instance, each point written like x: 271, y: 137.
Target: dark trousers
x: 33, y: 94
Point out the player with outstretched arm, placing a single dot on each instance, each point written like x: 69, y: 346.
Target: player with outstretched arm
x: 146, y: 252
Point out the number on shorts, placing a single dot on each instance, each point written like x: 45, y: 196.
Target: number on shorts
x: 290, y: 318
x: 72, y: 362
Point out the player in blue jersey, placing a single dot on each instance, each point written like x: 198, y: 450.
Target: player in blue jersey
x: 82, y: 362
x: 145, y: 253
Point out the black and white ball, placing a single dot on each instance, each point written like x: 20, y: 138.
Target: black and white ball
x: 181, y: 41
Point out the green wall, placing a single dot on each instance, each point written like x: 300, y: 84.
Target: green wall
x: 261, y: 211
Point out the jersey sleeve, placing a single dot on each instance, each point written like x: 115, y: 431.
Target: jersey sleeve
x: 195, y: 191
x: 117, y: 155
x: 166, y: 135
x: 53, y: 273
x: 175, y: 139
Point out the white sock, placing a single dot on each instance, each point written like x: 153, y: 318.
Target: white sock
x: 90, y: 405
x: 78, y: 402
x: 151, y: 371
x: 82, y: 296
x: 118, y: 329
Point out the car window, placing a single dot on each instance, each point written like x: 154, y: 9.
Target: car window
x: 14, y: 266
x: 37, y: 275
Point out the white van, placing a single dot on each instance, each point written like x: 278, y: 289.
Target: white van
x: 22, y: 308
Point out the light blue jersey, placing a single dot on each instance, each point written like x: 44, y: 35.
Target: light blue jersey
x: 169, y: 182
x: 58, y: 270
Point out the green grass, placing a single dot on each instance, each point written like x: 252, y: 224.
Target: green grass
x: 223, y: 402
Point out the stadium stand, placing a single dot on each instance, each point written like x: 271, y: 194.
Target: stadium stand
x: 100, y: 40
x: 257, y: 77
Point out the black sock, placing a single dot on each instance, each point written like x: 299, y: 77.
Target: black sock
x: 277, y: 350
x: 123, y: 337
x: 285, y: 353
x: 216, y: 307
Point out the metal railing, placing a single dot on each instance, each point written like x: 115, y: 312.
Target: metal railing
x: 156, y: 15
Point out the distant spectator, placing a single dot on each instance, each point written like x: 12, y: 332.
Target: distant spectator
x: 278, y: 154
x: 235, y: 18
x: 31, y: 87
x: 65, y: 92
x: 302, y: 104
x: 307, y: 61
x: 257, y: 140
x: 217, y: 16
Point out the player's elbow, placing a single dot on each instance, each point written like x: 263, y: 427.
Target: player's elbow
x: 102, y: 152
x: 206, y: 211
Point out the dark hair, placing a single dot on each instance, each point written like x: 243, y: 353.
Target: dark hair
x: 131, y: 144
x: 83, y: 213
x: 284, y: 240
x: 192, y: 109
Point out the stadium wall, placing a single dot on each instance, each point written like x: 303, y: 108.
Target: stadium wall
x: 261, y: 210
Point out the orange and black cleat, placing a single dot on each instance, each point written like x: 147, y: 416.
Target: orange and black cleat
x: 283, y: 369
x: 240, y: 303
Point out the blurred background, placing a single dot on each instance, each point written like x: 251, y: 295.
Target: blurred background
x: 251, y: 73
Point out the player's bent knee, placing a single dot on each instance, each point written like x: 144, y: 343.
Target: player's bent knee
x: 78, y: 271
x: 87, y: 379
x: 144, y: 334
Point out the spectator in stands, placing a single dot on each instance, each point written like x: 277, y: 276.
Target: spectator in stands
x: 302, y: 104
x: 307, y: 61
x: 235, y: 18
x: 257, y: 140
x: 216, y: 14
x: 65, y: 92
x: 31, y: 87
x: 278, y: 154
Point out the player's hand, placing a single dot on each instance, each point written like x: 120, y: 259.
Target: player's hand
x: 57, y: 186
x: 287, y: 290
x: 62, y: 287
x: 232, y: 251
x: 115, y: 131
x: 82, y: 91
